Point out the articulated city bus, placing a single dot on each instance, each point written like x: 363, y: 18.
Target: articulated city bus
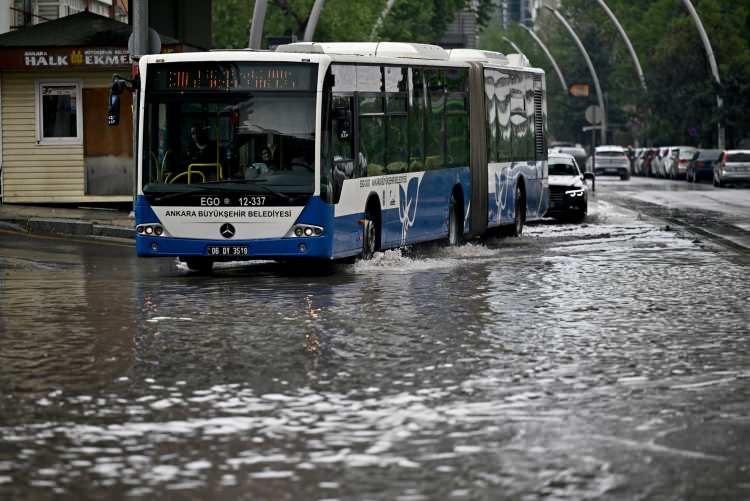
x: 334, y: 150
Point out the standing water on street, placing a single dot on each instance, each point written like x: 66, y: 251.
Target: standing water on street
x: 602, y: 359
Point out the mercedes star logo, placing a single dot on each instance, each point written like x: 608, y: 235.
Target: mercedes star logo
x: 227, y: 230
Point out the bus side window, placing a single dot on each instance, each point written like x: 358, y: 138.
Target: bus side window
x: 417, y: 107
x: 435, y: 144
x: 371, y: 135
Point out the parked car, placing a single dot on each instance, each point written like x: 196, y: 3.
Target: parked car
x: 576, y: 150
x: 647, y: 164
x: 733, y: 166
x: 611, y: 160
x: 568, y: 191
x: 676, y: 165
x: 640, y: 154
x: 701, y: 166
x: 657, y: 165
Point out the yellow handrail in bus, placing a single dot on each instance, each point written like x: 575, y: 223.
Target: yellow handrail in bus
x: 216, y: 165
x: 189, y: 174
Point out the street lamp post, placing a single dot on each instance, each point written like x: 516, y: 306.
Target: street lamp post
x: 256, y: 28
x: 594, y: 76
x: 714, y: 67
x: 626, y: 39
x: 549, y: 56
x: 515, y: 47
x: 312, y: 22
x: 381, y: 18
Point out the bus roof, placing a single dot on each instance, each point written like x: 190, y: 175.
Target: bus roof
x: 369, y: 49
x: 355, y: 52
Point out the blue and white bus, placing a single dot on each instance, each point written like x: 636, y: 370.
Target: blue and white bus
x: 334, y: 150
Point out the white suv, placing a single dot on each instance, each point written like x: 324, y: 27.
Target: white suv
x: 611, y: 160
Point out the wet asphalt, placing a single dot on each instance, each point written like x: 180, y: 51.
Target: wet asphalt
x: 608, y: 359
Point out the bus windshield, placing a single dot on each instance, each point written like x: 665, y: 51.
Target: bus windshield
x: 252, y: 141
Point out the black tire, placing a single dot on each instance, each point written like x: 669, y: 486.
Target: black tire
x: 370, y: 233
x: 199, y: 264
x: 455, y: 233
x: 519, y: 217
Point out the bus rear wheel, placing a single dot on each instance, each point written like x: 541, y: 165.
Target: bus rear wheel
x: 199, y: 264
x: 519, y: 217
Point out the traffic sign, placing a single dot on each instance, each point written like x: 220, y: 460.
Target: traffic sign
x: 154, y: 44
x: 579, y: 90
x: 594, y: 114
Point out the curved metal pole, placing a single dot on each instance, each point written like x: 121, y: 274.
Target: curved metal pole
x: 598, y: 87
x: 626, y: 39
x: 256, y: 28
x: 515, y: 47
x: 312, y: 23
x: 711, y: 62
x: 381, y: 18
x: 549, y: 56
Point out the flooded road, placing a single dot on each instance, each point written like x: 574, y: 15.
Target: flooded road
x: 609, y: 359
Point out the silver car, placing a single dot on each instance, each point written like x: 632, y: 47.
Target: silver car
x: 611, y: 160
x: 733, y: 166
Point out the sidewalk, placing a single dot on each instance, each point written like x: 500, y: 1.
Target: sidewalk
x: 78, y: 222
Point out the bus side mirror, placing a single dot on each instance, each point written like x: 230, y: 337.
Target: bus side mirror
x: 113, y: 113
x: 588, y: 176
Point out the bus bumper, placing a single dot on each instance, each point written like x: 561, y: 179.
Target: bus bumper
x: 270, y: 248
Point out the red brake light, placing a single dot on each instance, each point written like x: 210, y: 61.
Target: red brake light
x: 683, y: 162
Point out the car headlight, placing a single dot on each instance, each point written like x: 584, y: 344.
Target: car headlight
x: 574, y: 193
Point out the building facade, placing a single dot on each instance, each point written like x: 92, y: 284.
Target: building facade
x: 55, y: 77
x: 519, y: 11
x: 15, y: 14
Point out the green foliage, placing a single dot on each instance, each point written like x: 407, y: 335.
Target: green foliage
x: 341, y: 20
x: 681, y: 94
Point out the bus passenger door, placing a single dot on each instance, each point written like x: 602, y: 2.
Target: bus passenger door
x: 342, y: 144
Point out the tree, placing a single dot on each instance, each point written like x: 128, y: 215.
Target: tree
x: 681, y: 94
x: 341, y: 20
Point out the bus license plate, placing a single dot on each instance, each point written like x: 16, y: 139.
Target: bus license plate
x: 227, y: 250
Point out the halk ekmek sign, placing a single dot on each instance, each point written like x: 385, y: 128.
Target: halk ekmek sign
x: 76, y: 57
x: 56, y: 58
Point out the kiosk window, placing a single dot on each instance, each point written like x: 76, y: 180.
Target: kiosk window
x: 59, y: 112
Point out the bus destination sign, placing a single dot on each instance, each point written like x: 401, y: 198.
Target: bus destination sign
x: 208, y: 76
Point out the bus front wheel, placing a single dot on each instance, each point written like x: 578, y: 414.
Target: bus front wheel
x: 370, y: 231
x: 199, y: 264
x: 454, y: 223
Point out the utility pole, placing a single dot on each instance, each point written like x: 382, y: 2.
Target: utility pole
x: 256, y: 28
x: 312, y: 23
x: 140, y: 29
x: 714, y: 68
x: 594, y: 76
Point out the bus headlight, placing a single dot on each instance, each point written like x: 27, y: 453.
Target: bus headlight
x: 150, y: 230
x: 305, y: 230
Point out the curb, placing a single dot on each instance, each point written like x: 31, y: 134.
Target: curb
x: 68, y: 227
